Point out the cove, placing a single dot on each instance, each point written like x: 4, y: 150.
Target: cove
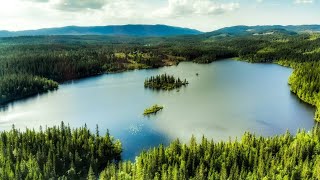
x: 227, y: 99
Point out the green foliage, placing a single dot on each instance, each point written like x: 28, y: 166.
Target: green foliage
x: 305, y: 82
x: 152, y: 110
x: 164, y: 82
x: 279, y: 157
x: 57, y: 62
x: 205, y: 59
x: 317, y: 50
x: 56, y: 152
x: 65, y: 153
x: 15, y: 86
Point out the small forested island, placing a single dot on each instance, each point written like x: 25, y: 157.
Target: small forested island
x: 164, y: 82
x: 152, y: 110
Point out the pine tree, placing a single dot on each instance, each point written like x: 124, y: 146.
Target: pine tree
x: 91, y: 175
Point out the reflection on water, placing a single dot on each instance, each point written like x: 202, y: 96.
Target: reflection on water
x: 226, y: 99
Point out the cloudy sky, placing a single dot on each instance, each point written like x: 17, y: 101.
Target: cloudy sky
x: 205, y: 15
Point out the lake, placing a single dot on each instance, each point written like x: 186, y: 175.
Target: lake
x: 227, y: 99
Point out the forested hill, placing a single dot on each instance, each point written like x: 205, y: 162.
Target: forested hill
x: 161, y: 30
x: 264, y: 30
x: 125, y: 30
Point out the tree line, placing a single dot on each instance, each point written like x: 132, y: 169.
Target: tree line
x: 253, y: 157
x: 56, y: 153
x: 15, y: 86
x: 164, y: 82
x: 64, y: 153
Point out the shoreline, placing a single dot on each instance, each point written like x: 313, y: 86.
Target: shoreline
x: 278, y: 62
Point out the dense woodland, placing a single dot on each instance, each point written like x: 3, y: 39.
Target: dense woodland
x: 281, y: 157
x: 57, y: 152
x: 164, y: 82
x: 65, y: 153
x: 15, y: 86
x: 305, y: 83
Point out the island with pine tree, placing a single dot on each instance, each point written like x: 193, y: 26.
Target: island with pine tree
x: 164, y: 82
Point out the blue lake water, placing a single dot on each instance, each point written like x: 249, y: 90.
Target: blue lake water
x: 225, y: 100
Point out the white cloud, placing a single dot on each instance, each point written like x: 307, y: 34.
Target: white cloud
x: 177, y: 8
x: 198, y: 14
x: 41, y: 1
x: 303, y: 1
x: 74, y: 5
x: 120, y: 9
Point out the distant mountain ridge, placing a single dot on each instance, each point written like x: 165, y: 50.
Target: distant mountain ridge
x: 124, y: 30
x: 162, y: 30
x: 256, y: 30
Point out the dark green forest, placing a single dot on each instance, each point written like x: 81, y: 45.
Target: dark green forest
x: 164, y: 82
x: 57, y: 152
x: 251, y: 157
x: 65, y: 153
x: 15, y: 86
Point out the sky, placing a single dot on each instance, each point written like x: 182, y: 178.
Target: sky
x: 204, y: 15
